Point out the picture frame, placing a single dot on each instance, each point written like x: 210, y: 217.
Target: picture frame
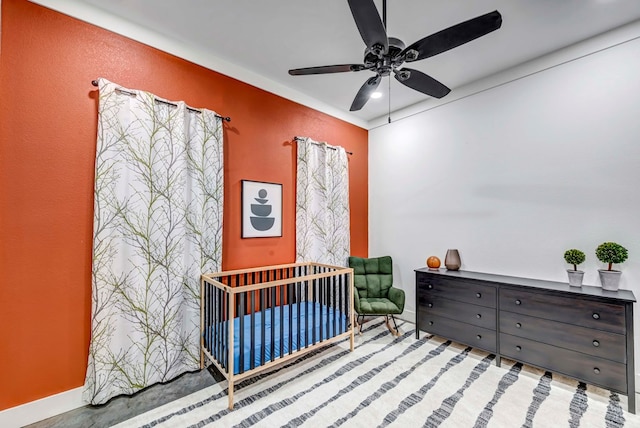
x: 261, y: 209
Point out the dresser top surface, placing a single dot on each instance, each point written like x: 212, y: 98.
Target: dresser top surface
x: 620, y: 295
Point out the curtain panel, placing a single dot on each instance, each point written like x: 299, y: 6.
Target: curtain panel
x: 157, y: 227
x: 322, y: 203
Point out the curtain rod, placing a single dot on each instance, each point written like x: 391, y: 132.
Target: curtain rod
x: 318, y: 144
x: 133, y: 94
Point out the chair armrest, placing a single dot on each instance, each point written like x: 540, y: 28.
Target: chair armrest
x: 396, y: 295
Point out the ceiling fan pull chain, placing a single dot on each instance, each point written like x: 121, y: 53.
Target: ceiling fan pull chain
x: 389, y: 116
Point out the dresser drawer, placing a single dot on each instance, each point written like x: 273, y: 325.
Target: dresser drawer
x: 594, y: 370
x: 463, y: 291
x: 478, y: 337
x: 587, y: 313
x: 603, y: 344
x: 466, y: 312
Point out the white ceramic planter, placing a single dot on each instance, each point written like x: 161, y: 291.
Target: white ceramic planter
x: 575, y: 277
x: 610, y: 279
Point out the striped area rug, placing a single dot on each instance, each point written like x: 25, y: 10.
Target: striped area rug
x: 397, y: 381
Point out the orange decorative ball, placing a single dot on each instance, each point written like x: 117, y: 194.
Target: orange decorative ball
x: 433, y: 262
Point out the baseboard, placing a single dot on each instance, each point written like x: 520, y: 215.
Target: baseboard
x: 34, y: 411
x: 407, y: 315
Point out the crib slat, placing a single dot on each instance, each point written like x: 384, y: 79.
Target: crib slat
x: 327, y: 288
x: 342, y: 327
x: 307, y: 325
x: 241, y: 335
x: 334, y: 300
x: 252, y: 352
x: 315, y: 297
x: 207, y: 321
x: 273, y: 323
x: 216, y: 316
x: 221, y: 329
x: 225, y: 330
x: 227, y: 340
x: 205, y: 313
x: 219, y: 325
x: 333, y: 306
x: 281, y: 321
x: 290, y: 305
x: 298, y: 289
x: 321, y: 311
x: 214, y: 322
x: 262, y: 323
x: 348, y: 303
x: 327, y: 298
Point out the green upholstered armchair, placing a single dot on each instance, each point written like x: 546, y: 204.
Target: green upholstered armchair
x: 374, y: 291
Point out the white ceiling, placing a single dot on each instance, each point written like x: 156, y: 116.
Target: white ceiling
x: 270, y: 37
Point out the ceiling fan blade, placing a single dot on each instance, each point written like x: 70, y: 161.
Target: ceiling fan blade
x: 326, y: 69
x: 365, y: 92
x: 369, y: 24
x: 453, y: 37
x: 421, y: 82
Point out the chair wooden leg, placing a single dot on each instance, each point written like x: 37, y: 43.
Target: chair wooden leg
x: 395, y: 330
x: 395, y: 325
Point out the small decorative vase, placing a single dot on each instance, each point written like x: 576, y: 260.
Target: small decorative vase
x: 610, y: 279
x: 452, y: 260
x: 575, y: 277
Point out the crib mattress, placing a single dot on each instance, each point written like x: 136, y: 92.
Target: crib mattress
x: 324, y: 315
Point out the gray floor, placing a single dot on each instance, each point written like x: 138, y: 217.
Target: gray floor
x: 122, y: 408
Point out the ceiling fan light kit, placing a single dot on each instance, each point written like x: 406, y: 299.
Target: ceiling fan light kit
x: 385, y: 55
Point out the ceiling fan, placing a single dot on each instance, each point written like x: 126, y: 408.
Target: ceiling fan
x: 385, y: 55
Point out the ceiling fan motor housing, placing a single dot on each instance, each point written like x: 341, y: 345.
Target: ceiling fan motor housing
x: 381, y: 62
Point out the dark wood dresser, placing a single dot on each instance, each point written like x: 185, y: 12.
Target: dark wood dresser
x: 582, y: 332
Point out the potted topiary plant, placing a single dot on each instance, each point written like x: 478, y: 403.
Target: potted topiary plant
x: 610, y: 252
x: 574, y: 257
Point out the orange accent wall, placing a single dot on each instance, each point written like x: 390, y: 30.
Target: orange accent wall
x: 48, y: 118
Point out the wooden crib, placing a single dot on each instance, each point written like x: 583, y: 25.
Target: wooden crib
x: 278, y: 313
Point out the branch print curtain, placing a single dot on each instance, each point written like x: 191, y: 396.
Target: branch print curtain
x: 322, y: 204
x: 157, y: 227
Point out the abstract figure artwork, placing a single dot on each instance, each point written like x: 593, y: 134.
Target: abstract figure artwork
x: 261, y: 209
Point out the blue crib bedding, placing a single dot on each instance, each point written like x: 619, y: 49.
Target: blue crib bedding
x: 323, y: 314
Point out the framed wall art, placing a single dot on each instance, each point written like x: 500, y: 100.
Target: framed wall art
x: 261, y: 209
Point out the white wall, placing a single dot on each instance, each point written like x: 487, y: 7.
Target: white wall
x: 515, y: 175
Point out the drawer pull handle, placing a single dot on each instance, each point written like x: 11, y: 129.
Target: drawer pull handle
x: 478, y: 316
x: 596, y: 370
x: 518, y: 348
x: 518, y: 325
x: 430, y: 322
x: 478, y: 337
x: 478, y: 295
x: 596, y: 316
x: 429, y: 286
x: 429, y: 305
x: 518, y: 302
x: 596, y: 343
